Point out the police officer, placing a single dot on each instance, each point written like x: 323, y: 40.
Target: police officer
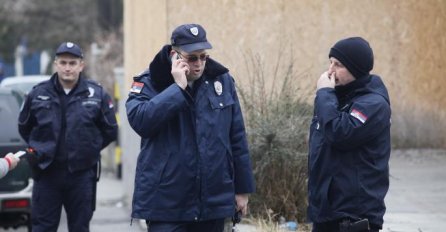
x: 194, y: 168
x: 67, y: 120
x: 349, y: 143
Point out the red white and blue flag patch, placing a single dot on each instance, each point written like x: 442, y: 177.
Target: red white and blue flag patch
x: 110, y: 104
x: 359, y: 115
x: 136, y: 87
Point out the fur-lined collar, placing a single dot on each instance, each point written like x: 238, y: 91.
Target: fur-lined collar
x: 160, y: 69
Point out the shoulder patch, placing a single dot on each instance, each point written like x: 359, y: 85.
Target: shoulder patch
x: 110, y: 104
x: 359, y: 115
x: 136, y: 87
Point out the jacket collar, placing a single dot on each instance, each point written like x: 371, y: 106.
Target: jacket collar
x: 350, y: 88
x: 369, y: 84
x: 80, y: 88
x: 160, y: 69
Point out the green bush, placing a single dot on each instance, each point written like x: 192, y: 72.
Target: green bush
x: 277, y: 118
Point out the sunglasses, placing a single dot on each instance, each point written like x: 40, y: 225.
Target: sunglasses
x: 192, y: 58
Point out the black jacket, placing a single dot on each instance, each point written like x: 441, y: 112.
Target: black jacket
x: 349, y: 152
x: 194, y: 154
x: 90, y: 123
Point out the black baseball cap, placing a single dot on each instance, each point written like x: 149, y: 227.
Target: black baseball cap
x: 190, y: 37
x: 70, y: 48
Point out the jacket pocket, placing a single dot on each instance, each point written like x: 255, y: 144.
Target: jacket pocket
x: 219, y: 116
x: 151, y: 167
x: 91, y: 109
x: 42, y: 111
x: 221, y: 102
x: 45, y: 117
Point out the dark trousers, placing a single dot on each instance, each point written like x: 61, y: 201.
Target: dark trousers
x: 57, y: 187
x: 332, y: 226
x: 203, y: 226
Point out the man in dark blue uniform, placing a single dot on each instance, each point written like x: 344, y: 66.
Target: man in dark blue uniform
x: 194, y: 168
x: 349, y: 143
x: 67, y: 120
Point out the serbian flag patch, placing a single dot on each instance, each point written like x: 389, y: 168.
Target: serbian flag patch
x: 110, y: 104
x: 358, y: 115
x: 136, y: 87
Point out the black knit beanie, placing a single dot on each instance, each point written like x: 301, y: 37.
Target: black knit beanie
x: 355, y: 54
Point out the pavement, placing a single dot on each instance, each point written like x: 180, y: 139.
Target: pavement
x: 111, y: 213
x: 416, y: 201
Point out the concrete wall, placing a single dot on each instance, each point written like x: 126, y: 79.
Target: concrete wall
x: 407, y: 38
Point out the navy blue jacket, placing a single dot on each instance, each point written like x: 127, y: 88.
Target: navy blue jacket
x: 194, y: 155
x: 349, y: 152
x: 89, y: 125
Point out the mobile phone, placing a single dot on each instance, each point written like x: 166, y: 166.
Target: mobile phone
x: 19, y: 154
x: 175, y: 56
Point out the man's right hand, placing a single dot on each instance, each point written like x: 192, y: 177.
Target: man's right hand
x: 326, y: 81
x: 179, y: 70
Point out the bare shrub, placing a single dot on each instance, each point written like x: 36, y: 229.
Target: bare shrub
x: 277, y: 118
x: 101, y: 66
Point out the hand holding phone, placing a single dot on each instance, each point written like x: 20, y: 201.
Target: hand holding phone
x: 180, y: 68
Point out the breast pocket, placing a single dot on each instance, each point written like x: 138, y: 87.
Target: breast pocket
x: 220, y: 112
x: 42, y: 111
x: 221, y: 102
x: 87, y: 120
x: 45, y: 116
x: 91, y: 109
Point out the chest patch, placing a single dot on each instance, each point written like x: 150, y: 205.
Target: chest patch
x: 43, y: 98
x: 90, y: 102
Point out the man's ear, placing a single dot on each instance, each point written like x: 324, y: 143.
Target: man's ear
x: 82, y: 64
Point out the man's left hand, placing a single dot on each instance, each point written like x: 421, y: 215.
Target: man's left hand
x: 242, y: 202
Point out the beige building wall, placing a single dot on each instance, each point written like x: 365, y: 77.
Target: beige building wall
x: 407, y: 36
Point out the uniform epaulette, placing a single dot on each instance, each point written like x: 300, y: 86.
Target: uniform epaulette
x: 94, y: 83
x: 41, y: 83
x: 141, y: 75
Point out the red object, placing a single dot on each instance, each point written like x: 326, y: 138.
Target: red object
x: 16, y: 203
x: 30, y: 150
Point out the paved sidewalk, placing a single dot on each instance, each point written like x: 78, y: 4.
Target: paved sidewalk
x: 111, y: 214
x: 416, y: 201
